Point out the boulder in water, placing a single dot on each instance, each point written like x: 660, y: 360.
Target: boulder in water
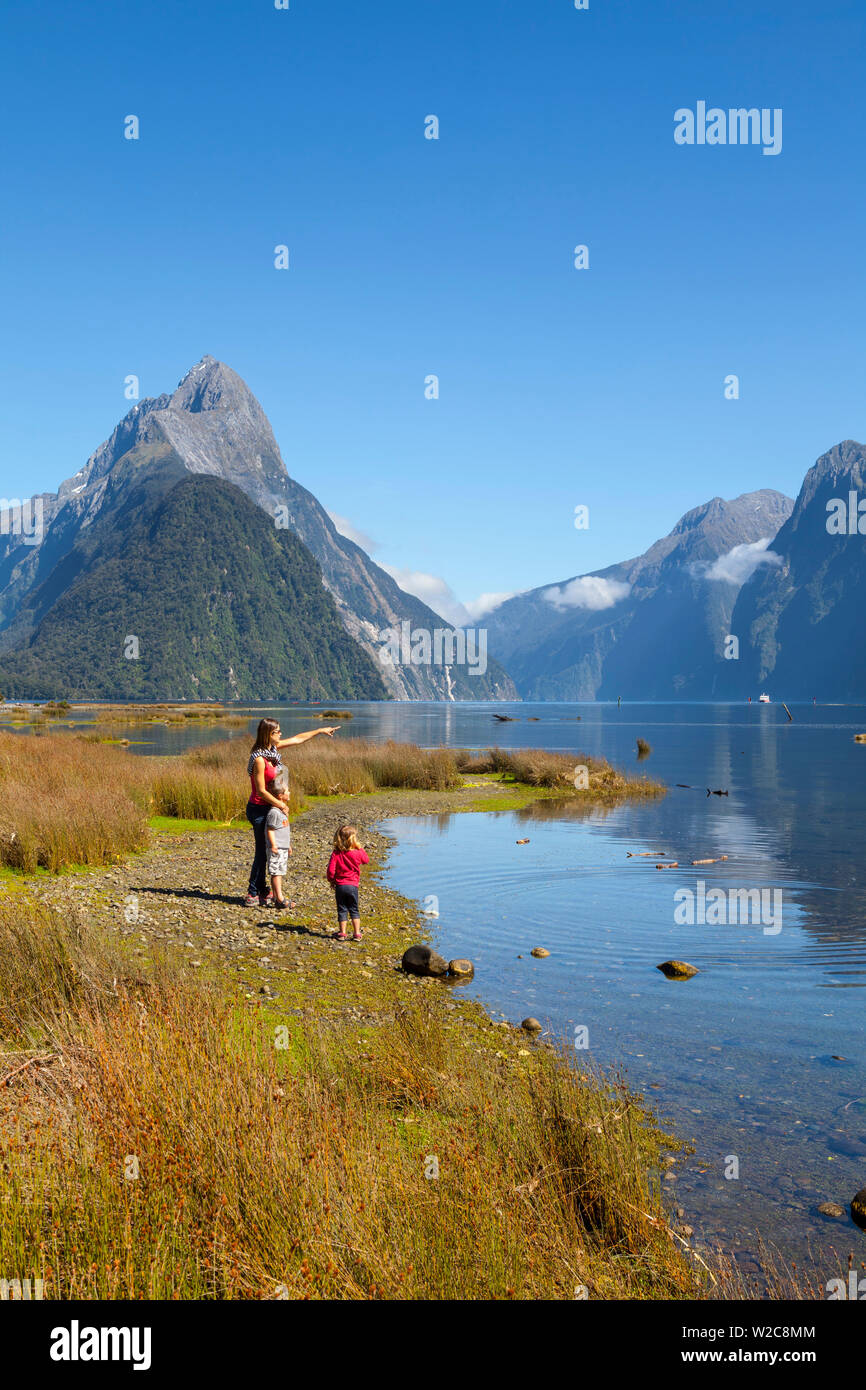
x: 832, y: 1209
x: 677, y: 969
x: 462, y: 968
x: 423, y: 960
x: 858, y: 1207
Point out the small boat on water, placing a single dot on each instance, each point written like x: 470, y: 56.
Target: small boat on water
x: 763, y: 699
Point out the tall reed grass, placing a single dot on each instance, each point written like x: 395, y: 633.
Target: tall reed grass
x: 536, y: 767
x: 64, y: 801
x: 174, y: 1152
x: 68, y: 799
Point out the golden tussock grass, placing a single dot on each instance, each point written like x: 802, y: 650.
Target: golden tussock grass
x: 64, y: 801
x: 70, y: 800
x: 536, y: 767
x: 164, y: 1144
x: 338, y: 766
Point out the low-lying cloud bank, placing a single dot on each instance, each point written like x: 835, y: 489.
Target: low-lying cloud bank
x: 589, y: 592
x: 739, y: 564
x: 432, y: 589
x: 438, y: 595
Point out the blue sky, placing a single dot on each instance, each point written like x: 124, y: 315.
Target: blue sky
x: 558, y: 387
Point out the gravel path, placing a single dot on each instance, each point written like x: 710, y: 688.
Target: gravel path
x: 185, y: 894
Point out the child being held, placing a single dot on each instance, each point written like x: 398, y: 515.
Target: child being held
x: 279, y: 836
x: 344, y: 876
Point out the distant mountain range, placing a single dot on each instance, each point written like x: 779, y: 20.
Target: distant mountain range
x: 264, y: 600
x: 651, y: 628
x: 185, y: 532
x: 744, y: 595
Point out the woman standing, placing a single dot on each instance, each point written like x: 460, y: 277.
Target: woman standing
x: 262, y: 767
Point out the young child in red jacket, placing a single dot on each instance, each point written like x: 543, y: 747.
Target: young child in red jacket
x: 344, y: 876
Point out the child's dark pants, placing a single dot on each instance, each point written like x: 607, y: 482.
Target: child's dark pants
x: 347, y: 901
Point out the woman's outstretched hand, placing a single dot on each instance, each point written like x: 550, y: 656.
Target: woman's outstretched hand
x: 331, y: 730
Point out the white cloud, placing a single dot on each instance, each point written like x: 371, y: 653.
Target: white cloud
x: 739, y: 564
x: 352, y: 533
x: 590, y: 592
x: 485, y: 603
x: 432, y: 590
x: 437, y: 593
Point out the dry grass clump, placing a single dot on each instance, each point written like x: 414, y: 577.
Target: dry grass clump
x: 71, y: 800
x: 351, y: 766
x: 178, y: 787
x: 354, y: 765
x: 50, y: 966
x: 164, y: 714
x: 328, y: 767
x: 537, y: 768
x: 64, y: 801
x: 177, y: 1149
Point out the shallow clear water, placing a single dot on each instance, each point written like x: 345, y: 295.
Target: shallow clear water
x: 742, y: 1057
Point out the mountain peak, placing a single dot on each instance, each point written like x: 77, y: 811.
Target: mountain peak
x: 766, y: 501
x: 210, y: 385
x: 842, y: 467
x: 213, y: 426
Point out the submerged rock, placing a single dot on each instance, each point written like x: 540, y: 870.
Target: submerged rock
x: 677, y: 969
x: 851, y: 1148
x: 832, y: 1209
x: 539, y: 951
x: 423, y: 960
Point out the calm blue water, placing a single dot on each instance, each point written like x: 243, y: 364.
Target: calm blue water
x: 760, y: 1056
x: 742, y: 1056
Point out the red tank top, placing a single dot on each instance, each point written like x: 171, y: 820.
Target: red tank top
x: 270, y: 774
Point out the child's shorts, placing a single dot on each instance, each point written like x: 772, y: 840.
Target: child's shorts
x: 278, y: 863
x: 347, y: 901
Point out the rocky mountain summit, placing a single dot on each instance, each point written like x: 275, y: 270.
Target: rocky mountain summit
x: 213, y: 426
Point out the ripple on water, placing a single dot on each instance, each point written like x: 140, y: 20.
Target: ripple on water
x: 740, y: 1057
